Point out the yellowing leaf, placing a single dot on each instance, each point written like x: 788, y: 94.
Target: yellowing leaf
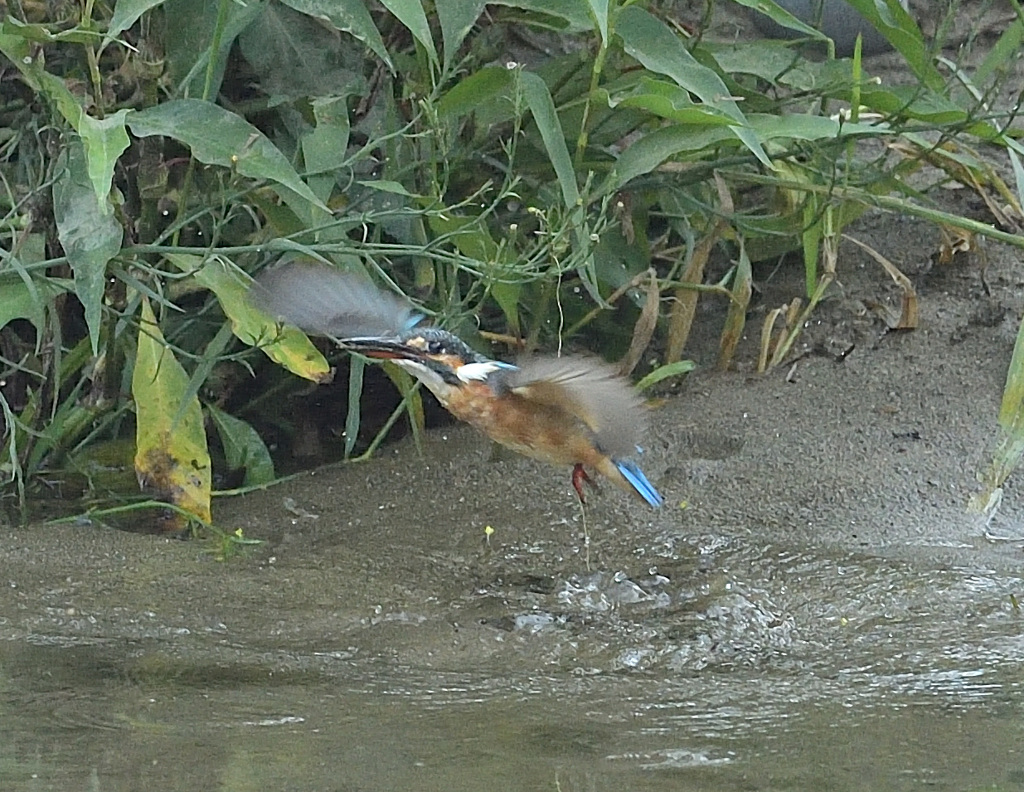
x: 171, y: 456
x: 285, y: 345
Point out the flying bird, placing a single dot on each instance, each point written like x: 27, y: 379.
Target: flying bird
x: 570, y: 410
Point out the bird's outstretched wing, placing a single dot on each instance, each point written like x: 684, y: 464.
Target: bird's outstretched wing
x: 588, y: 390
x: 326, y: 301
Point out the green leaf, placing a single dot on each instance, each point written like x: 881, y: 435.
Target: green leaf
x: 388, y: 186
x: 470, y: 92
x: 456, y: 18
x: 348, y: 16
x: 29, y: 298
x: 782, y: 17
x: 577, y: 14
x: 171, y: 455
x: 353, y: 414
x: 325, y: 146
x: 127, y: 13
x: 219, y: 137
x: 664, y: 372
x: 288, y: 346
x: 1002, y: 53
x: 646, y: 154
x: 659, y: 49
x: 894, y: 22
x: 410, y: 13
x: 88, y: 232
x: 105, y: 140
x: 190, y: 29
x: 542, y: 107
x: 507, y: 295
x: 243, y: 448
x: 668, y: 100
x: 599, y: 11
x: 297, y: 57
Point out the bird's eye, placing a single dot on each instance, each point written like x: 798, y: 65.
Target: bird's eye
x: 435, y: 347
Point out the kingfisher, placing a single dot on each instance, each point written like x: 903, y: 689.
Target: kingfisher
x: 568, y: 410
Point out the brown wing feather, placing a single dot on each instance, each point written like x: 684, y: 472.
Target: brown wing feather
x: 588, y: 390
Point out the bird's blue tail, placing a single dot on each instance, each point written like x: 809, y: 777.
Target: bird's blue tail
x: 635, y: 476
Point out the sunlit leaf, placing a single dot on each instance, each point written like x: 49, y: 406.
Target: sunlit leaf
x: 285, y: 345
x: 243, y: 448
x: 88, y: 232
x: 171, y: 455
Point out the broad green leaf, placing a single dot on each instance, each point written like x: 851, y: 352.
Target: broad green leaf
x: 190, y: 30
x: 127, y: 13
x: 576, y: 14
x: 542, y: 107
x: 468, y: 93
x: 325, y: 147
x: 105, y: 141
x: 468, y: 234
x: 297, y: 57
x: 20, y: 299
x: 88, y: 231
x: 668, y: 100
x: 348, y: 16
x: 219, y: 137
x: 796, y: 126
x: 457, y: 18
x: 410, y: 13
x: 171, y: 455
x: 287, y: 346
x: 782, y: 17
x: 659, y: 49
x: 650, y: 151
x: 243, y: 448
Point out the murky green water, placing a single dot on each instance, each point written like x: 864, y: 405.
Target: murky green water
x: 718, y: 665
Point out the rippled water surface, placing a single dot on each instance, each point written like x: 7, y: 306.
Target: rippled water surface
x: 714, y: 665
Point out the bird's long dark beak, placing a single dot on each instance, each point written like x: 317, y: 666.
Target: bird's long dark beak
x: 383, y: 348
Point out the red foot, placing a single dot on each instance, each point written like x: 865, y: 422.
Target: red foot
x: 579, y: 475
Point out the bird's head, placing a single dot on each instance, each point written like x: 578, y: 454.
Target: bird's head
x: 438, y: 358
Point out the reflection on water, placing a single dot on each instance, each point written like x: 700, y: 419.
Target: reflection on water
x: 764, y: 670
